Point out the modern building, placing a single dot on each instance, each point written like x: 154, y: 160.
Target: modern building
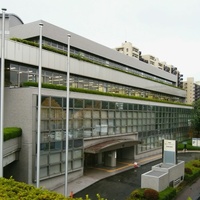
x: 120, y: 107
x: 192, y: 90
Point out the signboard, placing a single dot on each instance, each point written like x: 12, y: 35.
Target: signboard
x: 196, y: 142
x: 170, y: 151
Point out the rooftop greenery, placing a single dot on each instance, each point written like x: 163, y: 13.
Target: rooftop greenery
x: 59, y: 87
x: 11, y: 132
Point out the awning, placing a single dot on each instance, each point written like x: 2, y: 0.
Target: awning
x: 110, y: 145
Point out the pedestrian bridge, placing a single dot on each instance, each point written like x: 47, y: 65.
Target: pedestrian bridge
x: 11, y: 150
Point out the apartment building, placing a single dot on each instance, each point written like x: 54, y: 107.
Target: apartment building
x: 120, y: 107
x: 128, y: 49
x: 192, y: 90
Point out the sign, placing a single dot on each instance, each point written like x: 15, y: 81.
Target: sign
x: 170, y: 145
x: 170, y: 151
x: 196, y: 142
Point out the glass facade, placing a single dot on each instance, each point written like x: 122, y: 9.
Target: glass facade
x: 16, y: 74
x: 96, y: 118
x: 53, y: 139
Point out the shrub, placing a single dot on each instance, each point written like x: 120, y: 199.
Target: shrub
x: 168, y: 193
x: 11, y: 189
x: 196, y: 165
x: 151, y: 194
x: 137, y: 194
x: 12, y: 132
x: 188, y: 171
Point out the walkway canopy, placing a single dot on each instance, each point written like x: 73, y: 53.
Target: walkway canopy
x: 110, y: 145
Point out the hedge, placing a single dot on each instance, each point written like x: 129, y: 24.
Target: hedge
x: 81, y: 90
x: 11, y: 132
x: 14, y: 190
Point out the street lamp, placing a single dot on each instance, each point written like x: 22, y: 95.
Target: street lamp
x: 39, y: 108
x: 67, y: 116
x: 2, y: 89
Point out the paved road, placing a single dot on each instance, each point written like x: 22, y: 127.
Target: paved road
x: 192, y: 191
x: 119, y: 186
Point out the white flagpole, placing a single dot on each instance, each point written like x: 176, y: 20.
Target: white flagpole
x: 67, y: 116
x: 39, y: 108
x: 2, y: 89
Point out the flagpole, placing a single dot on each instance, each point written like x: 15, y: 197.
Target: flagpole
x: 39, y: 108
x: 2, y: 89
x: 67, y: 115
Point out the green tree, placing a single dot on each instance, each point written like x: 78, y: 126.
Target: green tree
x: 195, y: 122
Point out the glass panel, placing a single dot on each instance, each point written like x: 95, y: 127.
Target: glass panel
x: 87, y: 132
x: 55, y: 124
x: 104, y: 114
x: 117, y: 114
x: 44, y: 159
x: 54, y: 158
x: 129, y: 114
x: 13, y: 78
x: 77, y: 123
x: 43, y: 172
x: 87, y: 114
x: 123, y: 114
x: 111, y: 131
x: 96, y: 114
x: 111, y: 105
x: 78, y: 143
x: 77, y: 154
x: 87, y: 123
x: 44, y: 146
x: 77, y: 164
x: 56, y: 102
x: 129, y: 129
x: 111, y: 114
x: 45, y: 113
x: 111, y: 122
x: 78, y: 103
x: 55, y: 169
x: 44, y: 137
x: 104, y: 105
x: 88, y: 103
x: 69, y: 166
x: 104, y: 129
x: 129, y: 122
x: 118, y: 122
x: 123, y: 122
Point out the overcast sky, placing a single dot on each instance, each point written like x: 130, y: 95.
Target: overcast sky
x: 166, y: 29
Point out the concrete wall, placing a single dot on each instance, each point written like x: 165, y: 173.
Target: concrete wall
x: 11, y: 150
x: 163, y: 175
x: 155, y: 180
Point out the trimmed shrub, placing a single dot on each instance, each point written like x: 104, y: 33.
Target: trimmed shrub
x: 151, y: 194
x: 12, y: 132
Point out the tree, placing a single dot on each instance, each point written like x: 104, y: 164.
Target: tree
x: 195, y: 121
